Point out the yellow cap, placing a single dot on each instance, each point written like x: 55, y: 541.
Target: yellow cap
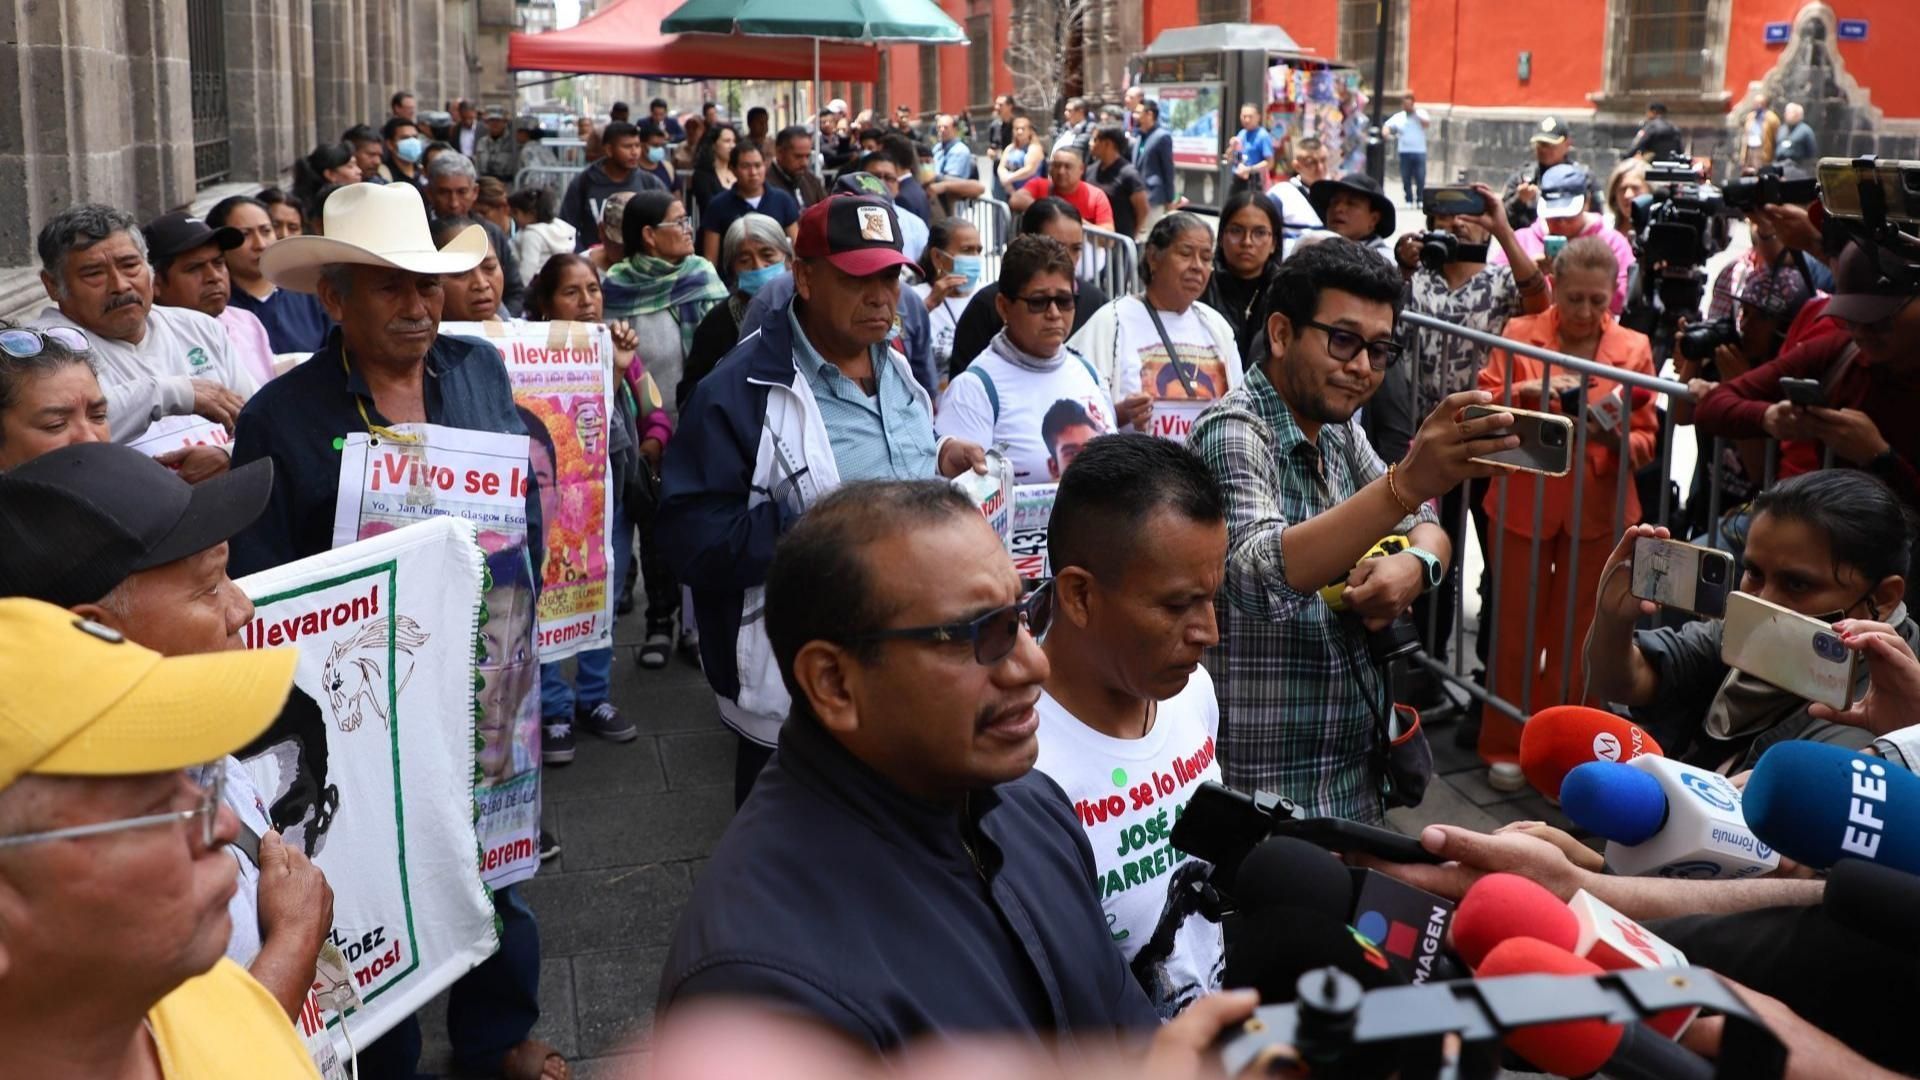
x: 78, y: 699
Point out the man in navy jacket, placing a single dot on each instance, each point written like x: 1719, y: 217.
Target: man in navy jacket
x: 899, y: 869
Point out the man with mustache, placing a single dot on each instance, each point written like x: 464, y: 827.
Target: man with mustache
x: 1138, y: 546
x: 378, y: 274
x: 900, y: 869
x: 155, y: 363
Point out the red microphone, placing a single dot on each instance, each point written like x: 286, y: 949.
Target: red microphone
x: 1558, y: 740
x: 1584, y: 1047
x: 1501, y: 906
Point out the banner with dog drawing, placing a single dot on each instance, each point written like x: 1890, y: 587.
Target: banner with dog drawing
x: 417, y: 472
x: 562, y: 376
x: 370, y: 768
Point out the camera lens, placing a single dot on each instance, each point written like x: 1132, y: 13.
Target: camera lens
x: 1553, y: 435
x: 1828, y: 647
x: 1713, y: 571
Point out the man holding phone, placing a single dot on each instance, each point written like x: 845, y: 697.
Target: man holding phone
x: 1306, y: 498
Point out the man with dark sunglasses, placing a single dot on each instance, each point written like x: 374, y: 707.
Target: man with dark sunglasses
x: 1138, y: 546
x: 900, y: 870
x: 1307, y: 497
x: 114, y: 871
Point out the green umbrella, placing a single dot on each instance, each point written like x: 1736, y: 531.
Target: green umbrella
x: 849, y: 20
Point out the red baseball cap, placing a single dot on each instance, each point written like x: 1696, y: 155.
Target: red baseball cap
x: 858, y: 234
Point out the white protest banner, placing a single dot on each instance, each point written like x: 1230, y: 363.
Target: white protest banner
x: 415, y: 472
x: 170, y: 433
x: 370, y: 767
x: 1027, y: 543
x: 562, y: 376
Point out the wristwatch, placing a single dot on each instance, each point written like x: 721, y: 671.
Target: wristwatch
x: 1436, y: 570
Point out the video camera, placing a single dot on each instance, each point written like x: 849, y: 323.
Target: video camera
x: 1767, y: 187
x: 1677, y: 226
x: 1698, y: 341
x: 1438, y: 248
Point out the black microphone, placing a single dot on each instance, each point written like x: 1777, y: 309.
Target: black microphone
x: 1277, y: 945
x: 1282, y: 871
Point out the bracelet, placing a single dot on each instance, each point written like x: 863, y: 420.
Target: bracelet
x: 1536, y: 281
x: 1393, y: 489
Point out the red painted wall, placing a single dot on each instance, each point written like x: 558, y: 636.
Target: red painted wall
x: 1158, y: 15
x: 1881, y: 63
x: 1315, y: 26
x: 1481, y: 54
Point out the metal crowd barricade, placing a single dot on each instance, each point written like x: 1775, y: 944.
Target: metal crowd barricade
x: 992, y: 217
x: 554, y: 178
x: 569, y: 152
x: 1455, y: 669
x: 1110, y: 261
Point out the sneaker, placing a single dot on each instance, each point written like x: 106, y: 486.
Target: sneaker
x: 658, y: 646
x: 1505, y: 776
x: 549, y: 845
x: 605, y: 721
x: 556, y: 744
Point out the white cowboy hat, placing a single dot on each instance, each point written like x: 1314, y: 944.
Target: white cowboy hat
x: 371, y: 225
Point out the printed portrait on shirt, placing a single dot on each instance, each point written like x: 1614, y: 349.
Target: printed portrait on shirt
x: 1199, y: 376
x: 1067, y: 427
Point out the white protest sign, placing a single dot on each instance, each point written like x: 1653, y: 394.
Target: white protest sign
x: 415, y: 473
x: 370, y: 767
x: 1027, y: 543
x: 170, y: 433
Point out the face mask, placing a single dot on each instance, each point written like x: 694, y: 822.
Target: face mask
x: 656, y: 154
x: 409, y: 149
x: 751, y: 281
x: 969, y: 267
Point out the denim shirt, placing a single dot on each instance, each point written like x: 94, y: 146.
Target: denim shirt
x: 301, y: 419
x: 888, y: 436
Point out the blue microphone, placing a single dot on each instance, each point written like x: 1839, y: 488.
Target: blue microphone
x: 1820, y: 804
x: 1666, y: 818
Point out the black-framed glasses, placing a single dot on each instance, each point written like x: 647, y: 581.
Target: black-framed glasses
x: 1344, y: 345
x: 1241, y: 235
x: 207, y: 810
x: 25, y: 343
x: 1038, y: 305
x: 994, y: 634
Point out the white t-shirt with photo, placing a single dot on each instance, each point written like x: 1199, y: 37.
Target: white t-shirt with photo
x: 1127, y: 794
x: 941, y: 323
x: 1213, y: 366
x: 1043, y: 419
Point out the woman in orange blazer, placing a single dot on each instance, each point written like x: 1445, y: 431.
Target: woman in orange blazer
x: 1578, y: 324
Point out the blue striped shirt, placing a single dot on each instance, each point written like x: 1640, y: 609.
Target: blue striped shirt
x: 886, y: 436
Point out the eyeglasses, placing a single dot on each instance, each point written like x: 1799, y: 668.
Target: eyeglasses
x: 992, y: 635
x: 1039, y: 304
x: 1241, y: 235
x: 25, y: 343
x: 682, y: 224
x: 1344, y: 345
x: 208, y: 811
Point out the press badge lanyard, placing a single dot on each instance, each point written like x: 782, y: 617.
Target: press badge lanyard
x: 419, y: 493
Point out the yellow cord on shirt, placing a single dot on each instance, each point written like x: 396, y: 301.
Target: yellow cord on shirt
x: 373, y: 428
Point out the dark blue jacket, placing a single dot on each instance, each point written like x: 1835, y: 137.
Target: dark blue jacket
x: 836, y: 894
x: 1155, y: 162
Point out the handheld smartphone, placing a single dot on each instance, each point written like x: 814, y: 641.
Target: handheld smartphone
x: 1898, y: 181
x: 1453, y: 200
x: 1682, y: 576
x: 1794, y: 652
x: 1805, y: 393
x: 1546, y: 441
x: 1346, y: 837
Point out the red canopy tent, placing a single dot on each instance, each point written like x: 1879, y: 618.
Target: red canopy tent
x: 624, y: 38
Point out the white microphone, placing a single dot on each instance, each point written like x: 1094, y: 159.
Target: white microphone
x: 1663, y: 818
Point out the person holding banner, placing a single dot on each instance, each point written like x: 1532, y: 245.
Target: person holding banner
x: 114, y: 876
x: 49, y: 396
x: 165, y: 368
x: 819, y: 367
x: 1024, y: 393
x: 388, y: 420
x: 1167, y: 343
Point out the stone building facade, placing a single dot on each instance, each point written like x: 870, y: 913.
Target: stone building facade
x: 145, y: 104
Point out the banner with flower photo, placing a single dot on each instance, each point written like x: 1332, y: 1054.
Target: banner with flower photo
x: 562, y: 376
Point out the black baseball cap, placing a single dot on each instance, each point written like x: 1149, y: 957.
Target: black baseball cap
x: 1551, y: 132
x: 77, y: 522
x: 858, y: 234
x: 180, y: 232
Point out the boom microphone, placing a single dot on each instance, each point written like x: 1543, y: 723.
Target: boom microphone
x: 1821, y: 804
x: 1581, y: 1047
x: 1558, y: 739
x: 1666, y: 819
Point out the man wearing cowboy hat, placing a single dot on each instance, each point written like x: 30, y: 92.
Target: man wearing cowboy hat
x: 1355, y: 207
x: 378, y: 274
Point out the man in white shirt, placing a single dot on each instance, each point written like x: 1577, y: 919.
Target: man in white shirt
x: 159, y: 366
x: 1128, y: 718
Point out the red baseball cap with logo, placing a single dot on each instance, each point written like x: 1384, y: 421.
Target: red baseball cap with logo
x: 858, y: 234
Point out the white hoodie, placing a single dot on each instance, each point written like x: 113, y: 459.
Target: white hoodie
x: 533, y: 245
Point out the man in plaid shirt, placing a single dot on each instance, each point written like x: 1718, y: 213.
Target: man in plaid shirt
x: 1306, y: 497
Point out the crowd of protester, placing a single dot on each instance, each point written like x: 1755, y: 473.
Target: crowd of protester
x: 954, y: 786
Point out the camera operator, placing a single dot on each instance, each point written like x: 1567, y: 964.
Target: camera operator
x: 1455, y: 282
x: 1867, y: 377
x: 1306, y: 498
x: 1552, y: 145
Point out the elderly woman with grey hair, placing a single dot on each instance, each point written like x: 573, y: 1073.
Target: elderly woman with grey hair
x: 754, y: 251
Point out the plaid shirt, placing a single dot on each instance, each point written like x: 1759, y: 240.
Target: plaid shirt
x: 1294, y: 704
